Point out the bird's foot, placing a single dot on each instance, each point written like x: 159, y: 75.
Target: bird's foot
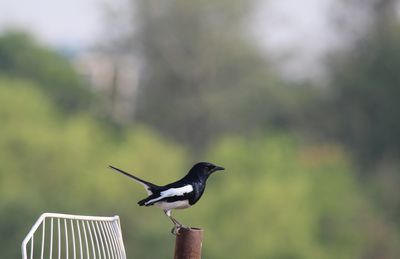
x: 176, y: 228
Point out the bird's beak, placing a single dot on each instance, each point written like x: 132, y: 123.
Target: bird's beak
x: 218, y: 168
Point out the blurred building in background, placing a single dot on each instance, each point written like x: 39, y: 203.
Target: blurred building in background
x: 115, y: 79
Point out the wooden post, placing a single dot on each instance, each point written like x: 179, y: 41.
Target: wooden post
x: 188, y: 243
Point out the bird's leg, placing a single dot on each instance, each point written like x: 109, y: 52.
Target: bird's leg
x: 176, y: 227
x: 177, y: 224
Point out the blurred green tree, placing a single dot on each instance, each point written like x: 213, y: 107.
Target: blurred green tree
x: 281, y: 199
x: 58, y: 163
x: 201, y: 74
x: 360, y: 106
x: 22, y: 57
x: 277, y: 199
x: 363, y: 106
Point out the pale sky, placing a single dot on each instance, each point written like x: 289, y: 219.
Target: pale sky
x: 299, y: 33
x: 279, y: 24
x: 71, y: 22
x: 79, y: 21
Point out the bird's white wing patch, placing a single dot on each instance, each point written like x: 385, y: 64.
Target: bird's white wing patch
x: 177, y: 191
x: 172, y: 192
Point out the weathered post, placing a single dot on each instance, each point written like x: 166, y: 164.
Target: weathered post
x: 188, y: 243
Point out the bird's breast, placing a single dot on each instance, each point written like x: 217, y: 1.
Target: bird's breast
x: 173, y: 205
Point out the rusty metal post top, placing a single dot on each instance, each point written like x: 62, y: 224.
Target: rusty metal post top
x: 191, y: 229
x: 188, y: 243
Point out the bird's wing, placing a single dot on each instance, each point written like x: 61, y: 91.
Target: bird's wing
x: 170, y: 192
x: 148, y: 186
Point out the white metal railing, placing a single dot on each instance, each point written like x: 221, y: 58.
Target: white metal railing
x: 66, y: 236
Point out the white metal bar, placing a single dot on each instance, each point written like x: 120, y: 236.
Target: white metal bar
x: 80, y: 239
x: 116, y: 240
x: 104, y: 232
x: 91, y: 239
x: 58, y: 215
x: 106, y: 241
x: 119, y: 232
x: 32, y: 239
x: 113, y: 239
x: 66, y: 238
x: 73, y: 237
x: 23, y: 250
x: 100, y: 238
x: 43, y: 237
x: 86, y: 239
x: 59, y: 238
x: 51, y: 239
x: 96, y: 239
x: 113, y: 250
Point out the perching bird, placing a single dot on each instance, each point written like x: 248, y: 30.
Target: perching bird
x: 177, y: 195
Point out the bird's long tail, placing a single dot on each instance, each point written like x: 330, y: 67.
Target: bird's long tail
x: 150, y: 187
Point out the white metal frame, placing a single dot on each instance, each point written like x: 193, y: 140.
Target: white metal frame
x: 83, y: 237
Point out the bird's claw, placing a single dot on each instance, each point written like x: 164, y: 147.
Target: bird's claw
x: 176, y: 228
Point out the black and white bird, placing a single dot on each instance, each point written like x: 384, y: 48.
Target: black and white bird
x: 181, y: 194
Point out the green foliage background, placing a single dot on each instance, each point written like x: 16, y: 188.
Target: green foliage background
x: 279, y: 198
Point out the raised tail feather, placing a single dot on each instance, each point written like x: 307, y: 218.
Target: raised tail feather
x: 150, y: 187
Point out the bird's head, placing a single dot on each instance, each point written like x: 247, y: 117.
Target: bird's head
x: 205, y: 168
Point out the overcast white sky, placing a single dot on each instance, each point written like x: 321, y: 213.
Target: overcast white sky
x: 280, y: 24
x: 298, y: 32
x: 78, y: 22
x: 70, y: 22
